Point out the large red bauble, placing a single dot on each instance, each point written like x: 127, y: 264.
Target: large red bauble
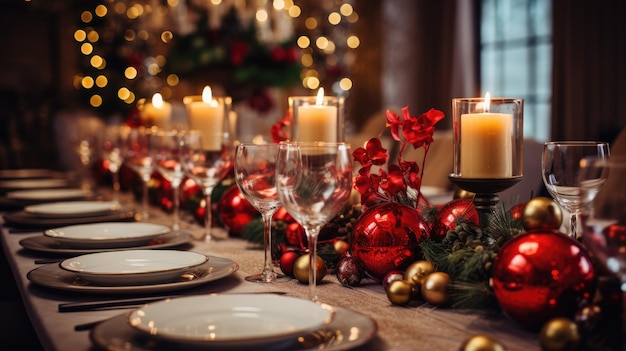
x: 452, y: 213
x: 235, y: 211
x: 540, y: 275
x: 386, y: 238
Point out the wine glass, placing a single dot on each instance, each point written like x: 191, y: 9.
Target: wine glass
x: 603, y: 218
x: 314, y: 180
x: 111, y: 146
x: 207, y: 159
x: 255, y: 166
x: 167, y: 145
x: 560, y: 165
x: 138, y: 156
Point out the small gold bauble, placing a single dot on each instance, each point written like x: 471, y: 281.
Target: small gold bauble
x: 435, y: 288
x: 481, y: 343
x: 341, y: 247
x: 417, y: 271
x: 542, y: 213
x: 400, y: 292
x: 559, y: 334
x: 462, y: 194
x: 301, y: 269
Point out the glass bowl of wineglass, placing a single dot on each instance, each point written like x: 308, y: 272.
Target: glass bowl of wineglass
x: 314, y: 180
x: 560, y: 164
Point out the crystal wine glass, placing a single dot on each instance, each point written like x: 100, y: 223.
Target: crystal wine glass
x: 314, y: 181
x: 207, y: 159
x: 167, y: 145
x: 255, y: 169
x: 138, y: 157
x: 560, y: 165
x: 111, y: 148
x: 603, y: 218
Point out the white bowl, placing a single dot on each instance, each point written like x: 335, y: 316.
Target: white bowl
x: 133, y: 267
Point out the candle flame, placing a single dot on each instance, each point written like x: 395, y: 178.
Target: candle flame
x: 207, y: 94
x: 320, y: 97
x: 157, y: 100
x: 487, y: 102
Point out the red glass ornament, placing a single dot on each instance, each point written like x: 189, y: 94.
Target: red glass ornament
x: 540, y: 275
x: 235, y: 211
x: 387, y: 237
x: 517, y: 211
x: 454, y: 212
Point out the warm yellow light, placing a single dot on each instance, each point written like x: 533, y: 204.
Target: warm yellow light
x: 310, y: 23
x: 101, y: 81
x: 93, y: 36
x: 207, y: 95
x: 143, y: 34
x: 353, y: 18
x: 130, y: 73
x: 278, y: 4
x: 167, y: 36
x: 321, y: 42
x: 319, y: 100
x: 95, y: 100
x: 166, y: 92
x: 304, y: 41
x: 216, y: 2
x: 261, y: 15
x: 330, y: 48
x: 80, y: 35
x: 87, y: 82
x: 306, y: 60
x: 77, y: 81
x: 86, y: 48
x: 130, y: 99
x: 311, y: 83
x: 96, y: 61
x: 101, y: 11
x: 173, y: 80
x: 86, y: 16
x: 160, y: 60
x: 133, y: 12
x: 172, y: 3
x: 334, y: 18
x: 123, y: 93
x: 295, y: 11
x: 154, y: 69
x: 346, y: 9
x: 129, y: 35
x: 120, y: 7
x: 353, y: 42
x: 345, y: 83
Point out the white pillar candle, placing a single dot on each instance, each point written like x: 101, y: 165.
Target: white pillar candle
x: 317, y: 122
x: 157, y: 112
x: 486, y: 145
x: 207, y: 116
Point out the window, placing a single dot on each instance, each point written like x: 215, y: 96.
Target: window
x: 516, y: 57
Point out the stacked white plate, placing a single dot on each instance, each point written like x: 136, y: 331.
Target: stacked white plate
x: 133, y: 267
x: 47, y: 194
x: 107, y: 235
x: 73, y: 209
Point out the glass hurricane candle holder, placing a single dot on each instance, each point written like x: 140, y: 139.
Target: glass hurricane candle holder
x: 487, y: 147
x: 317, y: 118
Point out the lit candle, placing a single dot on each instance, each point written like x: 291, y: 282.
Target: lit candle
x: 207, y: 116
x: 157, y: 113
x: 317, y: 122
x: 486, y: 144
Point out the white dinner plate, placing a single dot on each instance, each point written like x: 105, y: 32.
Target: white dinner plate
x: 27, y: 173
x: 33, y: 183
x: 47, y: 194
x: 107, y: 235
x: 228, y: 320
x: 132, y: 267
x: 348, y: 330
x: 72, y: 208
x: 54, y: 277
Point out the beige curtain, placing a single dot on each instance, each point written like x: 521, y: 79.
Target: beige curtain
x: 589, y: 69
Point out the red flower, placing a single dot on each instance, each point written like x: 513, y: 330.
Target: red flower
x: 393, y: 184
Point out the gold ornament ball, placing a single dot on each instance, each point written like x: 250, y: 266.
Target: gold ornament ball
x: 301, y: 269
x: 462, y: 194
x: 559, y: 334
x: 542, y: 213
x: 435, y: 288
x: 341, y: 247
x: 481, y: 343
x: 400, y: 292
x: 417, y: 271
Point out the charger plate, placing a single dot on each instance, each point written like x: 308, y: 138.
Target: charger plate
x: 54, y: 277
x: 229, y: 320
x: 347, y: 330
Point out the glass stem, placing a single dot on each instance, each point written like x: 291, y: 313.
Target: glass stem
x: 207, y: 215
x: 573, y: 225
x: 176, y: 203
x: 268, y: 270
x: 311, y: 235
x: 145, y: 213
x: 116, y: 186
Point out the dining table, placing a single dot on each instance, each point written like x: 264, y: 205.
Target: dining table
x: 417, y: 326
